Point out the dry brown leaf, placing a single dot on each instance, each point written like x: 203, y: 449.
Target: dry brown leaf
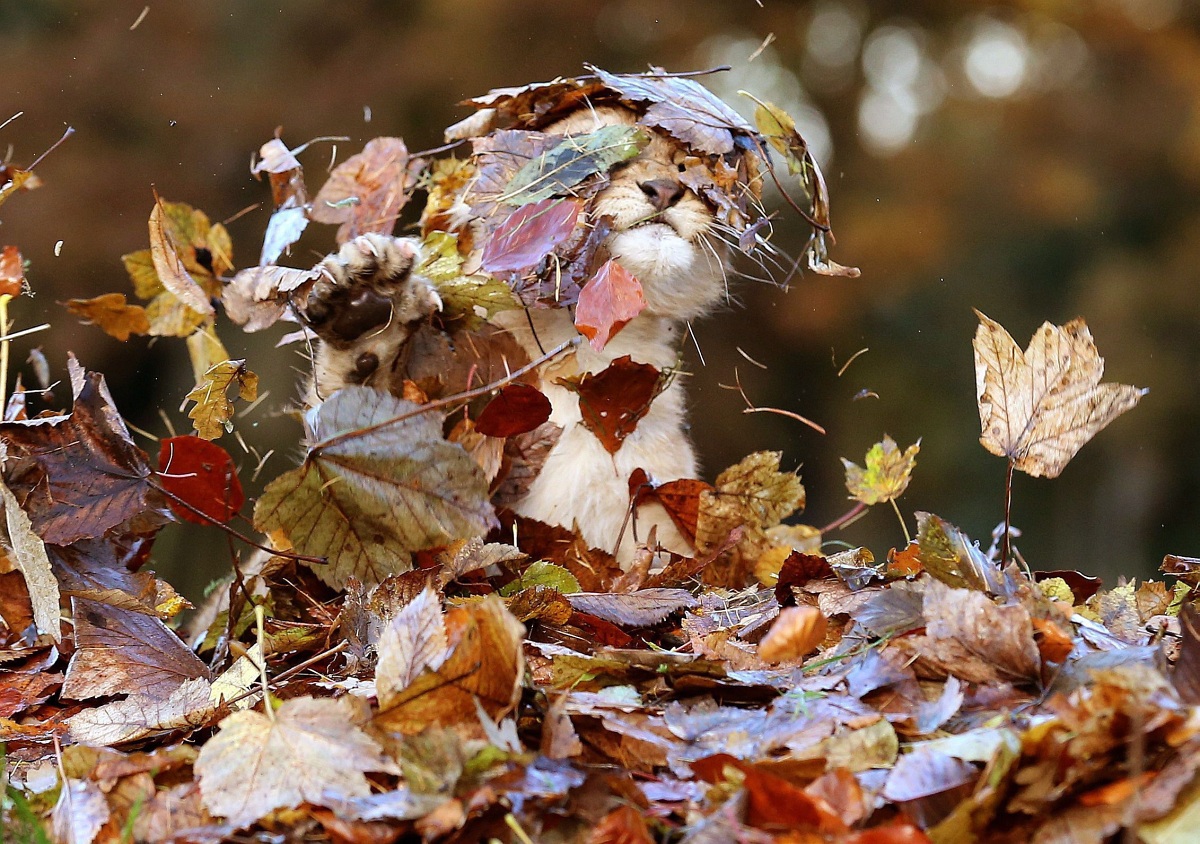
x: 796, y: 632
x: 366, y: 191
x: 258, y: 296
x: 643, y: 608
x: 213, y: 413
x: 415, y: 639
x: 310, y: 751
x: 29, y: 553
x: 173, y: 275
x: 140, y: 715
x: 80, y: 813
x: 111, y: 313
x: 1038, y: 408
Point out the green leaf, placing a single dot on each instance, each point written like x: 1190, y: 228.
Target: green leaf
x: 467, y: 300
x: 562, y: 167
x: 544, y: 575
x: 887, y: 472
x: 367, y: 496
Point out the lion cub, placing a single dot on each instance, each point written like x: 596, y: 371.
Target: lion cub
x: 368, y: 300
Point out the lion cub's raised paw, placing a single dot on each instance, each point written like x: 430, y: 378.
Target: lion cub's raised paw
x: 362, y: 308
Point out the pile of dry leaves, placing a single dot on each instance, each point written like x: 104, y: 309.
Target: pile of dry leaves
x: 415, y: 661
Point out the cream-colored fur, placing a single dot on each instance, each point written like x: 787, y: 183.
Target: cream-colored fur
x: 581, y: 484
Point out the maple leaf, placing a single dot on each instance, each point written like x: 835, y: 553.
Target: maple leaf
x: 371, y: 490
x: 752, y: 493
x: 559, y: 169
x: 366, y: 192
x: 609, y: 300
x: 886, y: 474
x: 78, y: 475
x: 1038, y: 408
x: 213, y: 413
x: 119, y: 652
x: 529, y: 234
x: 202, y: 474
x: 32, y: 561
x: 112, y: 314
x: 310, y: 751
x: 614, y: 400
x: 516, y: 409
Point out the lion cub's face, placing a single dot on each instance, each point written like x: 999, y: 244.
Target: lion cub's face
x: 659, y: 226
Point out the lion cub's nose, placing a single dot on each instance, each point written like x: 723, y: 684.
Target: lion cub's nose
x: 662, y: 193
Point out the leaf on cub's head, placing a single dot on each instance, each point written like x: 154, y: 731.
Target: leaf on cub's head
x: 78, y: 475
x: 778, y: 127
x: 12, y: 272
x: 516, y: 409
x: 202, y: 474
x: 613, y: 401
x: 110, y: 312
x: 886, y: 474
x: 556, y: 171
x: 310, y: 751
x: 681, y: 107
x: 258, y: 296
x: 609, y: 300
x: 530, y: 234
x: 372, y: 490
x: 213, y: 412
x: 1038, y: 408
x: 366, y: 192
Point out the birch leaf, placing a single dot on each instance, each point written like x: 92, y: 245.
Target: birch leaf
x: 1038, y: 408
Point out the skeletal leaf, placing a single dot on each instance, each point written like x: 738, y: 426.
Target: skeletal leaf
x: 310, y: 751
x: 213, y: 412
x: 111, y: 314
x: 33, y: 563
x: 559, y: 169
x: 368, y: 493
x: 1038, y: 408
x: 415, y: 639
x: 886, y: 474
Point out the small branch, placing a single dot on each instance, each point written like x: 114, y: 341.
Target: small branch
x: 449, y: 400
x: 846, y: 518
x: 788, y: 414
x: 70, y: 131
x: 275, y: 552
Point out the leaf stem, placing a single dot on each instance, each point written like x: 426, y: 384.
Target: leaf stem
x: 903, y: 526
x: 448, y: 400
x: 1008, y: 480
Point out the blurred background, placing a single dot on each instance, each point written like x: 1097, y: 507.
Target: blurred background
x: 1037, y: 160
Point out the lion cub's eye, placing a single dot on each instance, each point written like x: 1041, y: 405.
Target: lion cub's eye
x: 682, y: 167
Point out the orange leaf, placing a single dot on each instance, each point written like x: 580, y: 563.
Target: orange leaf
x: 12, y: 272
x: 794, y: 633
x: 609, y: 300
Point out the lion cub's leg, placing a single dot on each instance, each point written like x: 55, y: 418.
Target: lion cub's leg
x: 362, y: 308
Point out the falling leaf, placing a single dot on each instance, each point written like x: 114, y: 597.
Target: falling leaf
x: 414, y: 640
x: 559, y: 169
x: 1038, y: 408
x: 257, y: 297
x: 79, y: 475
x: 29, y: 552
x: 796, y: 632
x: 213, y: 413
x: 516, y: 409
x: 310, y: 751
x: 12, y: 272
x: 121, y: 652
x: 753, y: 494
x: 607, y: 302
x: 80, y: 813
x: 530, y: 234
x: 778, y: 127
x: 170, y: 269
x: 371, y: 490
x: 886, y: 475
x: 614, y: 400
x: 366, y: 192
x: 202, y: 474
x: 112, y: 314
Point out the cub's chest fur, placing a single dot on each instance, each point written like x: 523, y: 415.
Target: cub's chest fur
x: 365, y: 308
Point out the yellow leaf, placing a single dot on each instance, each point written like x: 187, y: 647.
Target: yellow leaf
x: 1038, y: 408
x: 111, y: 313
x: 213, y: 412
x: 886, y: 475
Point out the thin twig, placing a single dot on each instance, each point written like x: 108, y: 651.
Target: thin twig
x: 846, y: 518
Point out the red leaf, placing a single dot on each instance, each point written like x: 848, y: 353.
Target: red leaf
x: 773, y: 802
x: 202, y: 474
x: 530, y: 234
x: 12, y: 272
x: 681, y: 499
x: 611, y: 402
x: 518, y: 409
x: 609, y: 299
